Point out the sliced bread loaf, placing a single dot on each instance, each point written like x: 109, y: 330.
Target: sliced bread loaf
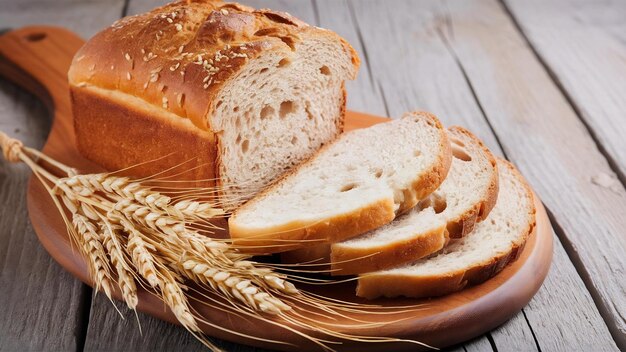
x: 480, y: 255
x: 353, y: 185
x: 466, y: 196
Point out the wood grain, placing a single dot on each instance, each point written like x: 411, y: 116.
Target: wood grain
x: 545, y: 137
x: 421, y: 68
x: 26, y: 270
x: 42, y: 305
x: 583, y: 45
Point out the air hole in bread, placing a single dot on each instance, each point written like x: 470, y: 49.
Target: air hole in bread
x: 218, y: 104
x: 350, y: 167
x: 266, y: 31
x: 235, y: 109
x: 238, y: 139
x: 378, y: 173
x: 286, y: 108
x: 325, y: 70
x: 238, y: 122
x: 263, y: 70
x: 278, y: 18
x: 457, y: 141
x: 290, y: 42
x: 348, y: 187
x: 294, y: 140
x: 417, y: 153
x: 435, y: 201
x: 309, y: 115
x: 266, y: 112
x: 284, y: 62
x: 460, y: 153
x: 245, y: 145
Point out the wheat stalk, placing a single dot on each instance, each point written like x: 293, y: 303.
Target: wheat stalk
x: 130, y: 235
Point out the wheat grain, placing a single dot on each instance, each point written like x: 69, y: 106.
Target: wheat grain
x: 125, y: 278
x: 93, y: 250
x: 129, y: 190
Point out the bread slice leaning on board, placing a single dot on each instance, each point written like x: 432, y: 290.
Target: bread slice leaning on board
x: 480, y: 255
x: 465, y: 197
x: 360, y: 182
x: 236, y: 95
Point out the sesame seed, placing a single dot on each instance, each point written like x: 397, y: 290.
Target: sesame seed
x: 91, y: 68
x: 145, y: 85
x: 224, y: 11
x: 143, y: 51
x: 127, y: 56
x: 112, y: 67
x: 206, y: 79
x: 174, y: 67
x: 180, y: 98
x: 154, y: 77
x: 206, y: 86
x: 179, y: 27
x: 164, y: 102
x: 169, y: 20
x: 182, y: 73
x: 128, y: 76
x: 180, y: 49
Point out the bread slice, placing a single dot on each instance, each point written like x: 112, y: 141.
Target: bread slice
x: 480, y: 255
x: 358, y: 183
x: 466, y: 196
x: 236, y: 94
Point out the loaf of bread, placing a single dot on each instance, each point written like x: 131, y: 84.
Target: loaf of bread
x: 480, y: 255
x: 359, y: 182
x: 465, y: 197
x: 238, y: 95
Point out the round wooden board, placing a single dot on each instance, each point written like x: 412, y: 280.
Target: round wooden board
x: 38, y: 58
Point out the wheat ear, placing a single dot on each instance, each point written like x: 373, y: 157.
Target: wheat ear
x: 92, y: 249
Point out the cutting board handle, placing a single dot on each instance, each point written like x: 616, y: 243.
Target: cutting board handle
x: 38, y: 58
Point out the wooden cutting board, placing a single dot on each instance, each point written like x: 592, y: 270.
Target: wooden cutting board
x: 38, y: 58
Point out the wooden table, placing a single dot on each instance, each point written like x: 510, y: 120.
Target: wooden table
x: 542, y: 82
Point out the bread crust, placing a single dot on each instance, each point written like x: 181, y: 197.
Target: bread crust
x: 147, y: 135
x: 388, y: 285
x: 343, y: 226
x: 348, y: 260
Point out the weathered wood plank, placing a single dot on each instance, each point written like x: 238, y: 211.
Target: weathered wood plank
x: 110, y: 332
x: 83, y: 17
x: 420, y: 65
x: 42, y: 305
x: 552, y: 147
x: 583, y: 44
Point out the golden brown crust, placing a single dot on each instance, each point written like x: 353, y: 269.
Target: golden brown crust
x: 147, y: 134
x: 188, y: 51
x: 351, y: 260
x: 388, y: 285
x: 343, y: 226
